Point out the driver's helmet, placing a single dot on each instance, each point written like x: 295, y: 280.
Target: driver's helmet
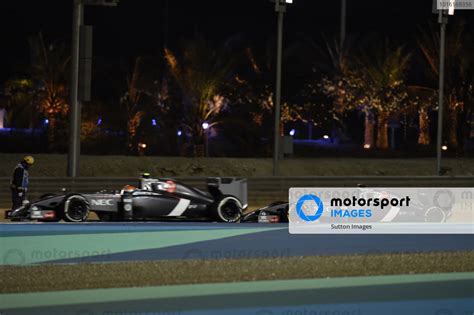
x: 129, y: 188
x: 146, y: 181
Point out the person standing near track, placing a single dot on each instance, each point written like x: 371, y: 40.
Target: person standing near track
x: 20, y: 180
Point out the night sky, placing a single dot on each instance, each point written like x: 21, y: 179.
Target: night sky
x: 138, y: 27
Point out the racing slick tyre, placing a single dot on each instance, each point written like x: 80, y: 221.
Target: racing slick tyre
x: 76, y: 209
x: 227, y: 209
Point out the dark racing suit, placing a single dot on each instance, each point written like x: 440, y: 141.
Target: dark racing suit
x: 19, y: 185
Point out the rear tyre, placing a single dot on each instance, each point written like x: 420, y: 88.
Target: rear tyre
x: 76, y: 209
x: 227, y: 209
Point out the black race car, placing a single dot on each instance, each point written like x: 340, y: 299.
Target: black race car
x: 276, y: 212
x: 224, y: 201
x: 423, y: 209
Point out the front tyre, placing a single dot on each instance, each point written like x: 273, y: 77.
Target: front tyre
x: 227, y: 209
x: 76, y: 209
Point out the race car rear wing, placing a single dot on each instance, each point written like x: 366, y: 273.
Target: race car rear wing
x: 234, y: 186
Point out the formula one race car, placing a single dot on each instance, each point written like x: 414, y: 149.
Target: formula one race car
x: 422, y: 209
x: 276, y: 212
x: 224, y: 201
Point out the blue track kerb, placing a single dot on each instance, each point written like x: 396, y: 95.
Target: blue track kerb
x: 318, y: 205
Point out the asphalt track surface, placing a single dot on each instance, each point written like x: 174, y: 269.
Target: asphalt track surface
x: 31, y: 243
x: 441, y: 294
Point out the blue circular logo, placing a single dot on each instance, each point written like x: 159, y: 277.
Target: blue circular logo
x: 318, y: 207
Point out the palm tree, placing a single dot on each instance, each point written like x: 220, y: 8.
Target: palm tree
x: 132, y: 100
x: 421, y: 100
x: 258, y: 80
x: 50, y: 68
x: 201, y: 71
x: 49, y: 71
x: 458, y: 70
x: 344, y: 82
x: 20, y: 102
x: 384, y: 85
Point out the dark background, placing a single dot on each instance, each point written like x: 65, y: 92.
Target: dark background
x: 137, y: 27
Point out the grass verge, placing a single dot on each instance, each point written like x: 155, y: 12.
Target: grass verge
x: 36, y: 278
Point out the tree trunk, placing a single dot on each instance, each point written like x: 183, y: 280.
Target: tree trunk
x: 424, y: 123
x: 133, y: 123
x: 199, y: 150
x: 52, y: 144
x: 382, y: 130
x: 369, y: 131
x: 452, y: 131
x: 310, y: 129
x: 131, y: 132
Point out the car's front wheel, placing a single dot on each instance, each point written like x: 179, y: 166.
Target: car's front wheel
x: 228, y: 209
x: 76, y: 209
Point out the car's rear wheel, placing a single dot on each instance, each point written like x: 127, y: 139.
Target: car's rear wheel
x: 76, y: 209
x: 228, y: 209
